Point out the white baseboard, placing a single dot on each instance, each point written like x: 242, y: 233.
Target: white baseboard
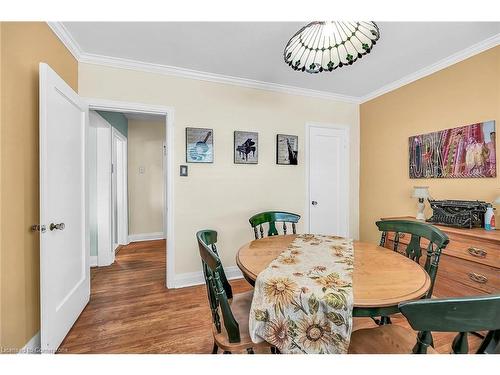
x: 93, y: 261
x: 145, y: 237
x: 33, y: 346
x: 196, y: 278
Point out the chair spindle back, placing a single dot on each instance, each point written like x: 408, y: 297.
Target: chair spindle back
x: 271, y: 218
x: 218, y: 288
x: 417, y: 230
x: 462, y: 315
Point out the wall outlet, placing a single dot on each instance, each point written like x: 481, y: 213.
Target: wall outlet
x: 142, y: 170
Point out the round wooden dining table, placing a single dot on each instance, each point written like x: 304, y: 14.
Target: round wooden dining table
x: 382, y: 278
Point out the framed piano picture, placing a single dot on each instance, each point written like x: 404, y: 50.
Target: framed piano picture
x: 246, y: 147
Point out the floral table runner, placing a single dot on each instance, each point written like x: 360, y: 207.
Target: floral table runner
x: 303, y: 300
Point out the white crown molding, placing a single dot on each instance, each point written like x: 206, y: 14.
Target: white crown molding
x: 116, y: 62
x: 72, y: 45
x: 66, y: 38
x: 433, y: 68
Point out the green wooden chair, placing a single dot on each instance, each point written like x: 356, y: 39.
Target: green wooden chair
x: 417, y: 230
x: 231, y: 334
x: 462, y: 315
x: 273, y: 217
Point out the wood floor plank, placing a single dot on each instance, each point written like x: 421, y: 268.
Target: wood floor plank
x: 131, y: 310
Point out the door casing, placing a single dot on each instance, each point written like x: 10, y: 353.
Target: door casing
x: 119, y: 188
x: 346, y: 188
x: 168, y: 191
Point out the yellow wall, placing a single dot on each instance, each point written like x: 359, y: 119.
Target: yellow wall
x: 223, y: 195
x: 145, y: 191
x: 23, y: 47
x: 464, y: 93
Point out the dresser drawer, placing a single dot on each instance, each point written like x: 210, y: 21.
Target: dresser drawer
x: 476, y: 250
x: 404, y: 238
x: 446, y: 287
x: 474, y: 275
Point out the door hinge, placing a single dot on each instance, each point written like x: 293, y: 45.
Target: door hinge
x: 112, y: 168
x: 38, y: 228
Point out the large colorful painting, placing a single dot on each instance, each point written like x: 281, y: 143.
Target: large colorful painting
x: 463, y: 152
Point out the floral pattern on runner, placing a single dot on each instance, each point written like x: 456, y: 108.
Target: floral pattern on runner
x: 303, y: 300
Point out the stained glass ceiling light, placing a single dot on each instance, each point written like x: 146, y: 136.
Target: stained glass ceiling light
x: 325, y: 46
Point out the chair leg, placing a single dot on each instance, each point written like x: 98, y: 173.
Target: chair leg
x: 215, y: 349
x: 385, y: 320
x: 250, y: 351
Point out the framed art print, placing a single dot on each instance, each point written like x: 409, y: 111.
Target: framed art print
x: 199, y: 145
x: 464, y: 152
x: 246, y: 147
x: 287, y: 147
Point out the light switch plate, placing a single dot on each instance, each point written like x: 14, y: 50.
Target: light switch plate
x: 183, y: 170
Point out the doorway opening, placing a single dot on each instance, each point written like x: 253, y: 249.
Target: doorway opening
x: 130, y: 187
x: 133, y: 166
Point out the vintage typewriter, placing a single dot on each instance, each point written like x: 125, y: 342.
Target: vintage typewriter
x: 462, y: 214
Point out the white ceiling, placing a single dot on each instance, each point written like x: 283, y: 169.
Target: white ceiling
x: 254, y: 50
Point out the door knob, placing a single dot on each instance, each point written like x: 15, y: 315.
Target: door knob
x: 59, y: 226
x: 314, y: 203
x: 38, y: 228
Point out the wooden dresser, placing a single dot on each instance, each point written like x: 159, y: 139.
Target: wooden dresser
x: 470, y: 264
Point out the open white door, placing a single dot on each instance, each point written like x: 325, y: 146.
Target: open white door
x: 64, y: 242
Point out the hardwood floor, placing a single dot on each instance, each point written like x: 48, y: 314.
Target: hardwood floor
x: 131, y: 310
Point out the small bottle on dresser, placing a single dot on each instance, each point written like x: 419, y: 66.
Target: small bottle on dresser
x: 489, y: 218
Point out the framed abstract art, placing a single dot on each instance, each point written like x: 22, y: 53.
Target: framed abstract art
x: 287, y: 149
x: 463, y: 152
x: 199, y: 145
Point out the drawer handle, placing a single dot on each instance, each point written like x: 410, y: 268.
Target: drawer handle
x: 478, y: 278
x: 477, y: 252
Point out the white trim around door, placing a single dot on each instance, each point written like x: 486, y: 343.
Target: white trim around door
x: 345, y: 129
x: 119, y: 185
x: 105, y: 252
x: 168, y: 112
